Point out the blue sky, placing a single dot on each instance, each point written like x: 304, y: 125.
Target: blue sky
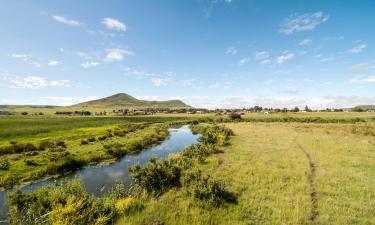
x: 208, y: 53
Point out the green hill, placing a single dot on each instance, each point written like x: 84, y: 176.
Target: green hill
x: 123, y: 100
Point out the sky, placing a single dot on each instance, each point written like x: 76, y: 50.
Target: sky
x: 208, y: 53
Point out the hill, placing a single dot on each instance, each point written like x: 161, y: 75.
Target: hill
x: 123, y: 100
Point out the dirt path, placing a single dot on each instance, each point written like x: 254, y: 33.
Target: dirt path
x: 311, y: 180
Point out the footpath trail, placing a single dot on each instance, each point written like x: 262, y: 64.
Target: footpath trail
x: 311, y: 181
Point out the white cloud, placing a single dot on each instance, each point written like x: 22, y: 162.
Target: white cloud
x: 160, y: 81
x: 66, y: 101
x: 111, y: 23
x: 305, y: 41
x: 231, y: 50
x: 61, y: 49
x: 358, y: 49
x: 89, y: 64
x: 305, y: 22
x: 244, y: 61
x: 67, y: 21
x: 265, y: 62
x: 363, y: 79
x: 53, y: 63
x: 224, y: 85
x: 117, y: 54
x: 34, y: 82
x: 188, y: 82
x: 59, y: 83
x: 20, y: 56
x: 261, y: 55
x: 283, y: 58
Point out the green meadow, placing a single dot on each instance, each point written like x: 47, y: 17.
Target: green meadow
x: 294, y: 168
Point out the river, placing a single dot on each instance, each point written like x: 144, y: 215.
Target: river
x: 98, y: 180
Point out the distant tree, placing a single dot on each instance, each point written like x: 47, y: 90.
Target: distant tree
x: 295, y: 109
x: 234, y: 116
x: 24, y: 113
x: 284, y: 110
x: 41, y: 114
x: 307, y: 108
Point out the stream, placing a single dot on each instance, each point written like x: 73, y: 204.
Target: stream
x: 98, y: 180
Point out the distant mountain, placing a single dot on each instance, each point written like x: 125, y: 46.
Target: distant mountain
x: 123, y: 100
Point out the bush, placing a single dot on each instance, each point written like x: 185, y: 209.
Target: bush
x: 23, y: 147
x: 30, y: 162
x: 234, y: 116
x: 116, y: 150
x: 4, y: 164
x: 84, y: 142
x: 127, y: 205
x: 6, y: 150
x: 8, y: 180
x: 102, y: 138
x: 68, y: 203
x: 91, y: 139
x: 207, y: 190
x: 156, y: 177
x: 43, y: 145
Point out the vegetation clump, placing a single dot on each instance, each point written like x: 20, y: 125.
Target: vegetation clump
x: 207, y: 190
x: 157, y: 176
x: 4, y: 164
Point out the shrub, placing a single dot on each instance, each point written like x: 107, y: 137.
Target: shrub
x: 157, y: 176
x: 4, y: 164
x: 23, y: 147
x: 43, y: 145
x: 127, y: 205
x: 84, y: 142
x: 6, y: 150
x: 116, y: 150
x: 30, y: 162
x: 234, y: 116
x: 68, y: 203
x: 207, y: 190
x: 91, y: 139
x: 8, y: 180
x: 102, y: 138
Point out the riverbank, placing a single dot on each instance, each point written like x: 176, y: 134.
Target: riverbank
x: 45, y: 205
x: 55, y: 157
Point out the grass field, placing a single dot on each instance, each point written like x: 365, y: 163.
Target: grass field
x: 310, y: 172
x: 282, y: 173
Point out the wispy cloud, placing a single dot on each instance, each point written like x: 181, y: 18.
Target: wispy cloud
x: 283, y: 58
x: 358, y: 49
x: 209, y: 5
x: 26, y: 58
x: 90, y: 64
x: 114, y: 24
x: 117, y: 54
x: 54, y: 63
x: 231, y: 50
x: 305, y: 22
x: 305, y: 41
x: 244, y: 61
x: 66, y: 21
x: 363, y: 79
x: 157, y: 82
x: 35, y: 82
x: 156, y: 79
x: 261, y: 55
x: 224, y: 85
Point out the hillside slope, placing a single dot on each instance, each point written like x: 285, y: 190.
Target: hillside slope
x: 123, y: 100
